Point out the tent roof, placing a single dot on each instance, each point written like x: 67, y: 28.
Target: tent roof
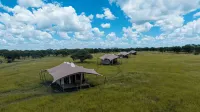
x: 132, y: 51
x: 123, y: 53
x: 109, y: 57
x: 67, y: 69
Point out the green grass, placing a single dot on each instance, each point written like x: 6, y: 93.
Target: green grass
x: 148, y: 82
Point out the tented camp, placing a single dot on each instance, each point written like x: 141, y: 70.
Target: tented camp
x: 123, y: 55
x: 68, y: 75
x: 133, y: 52
x: 109, y: 59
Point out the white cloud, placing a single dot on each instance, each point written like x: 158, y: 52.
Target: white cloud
x: 101, y: 16
x: 97, y: 32
x: 105, y: 25
x: 167, y: 14
x: 91, y: 16
x: 30, y: 3
x: 64, y: 35
x: 143, y: 27
x: 2, y: 26
x: 112, y: 36
x: 107, y: 14
x: 92, y: 34
x: 3, y: 42
x: 41, y: 24
x: 190, y: 30
x: 129, y: 33
x: 61, y: 18
x: 170, y: 23
x: 150, y: 10
x: 196, y: 15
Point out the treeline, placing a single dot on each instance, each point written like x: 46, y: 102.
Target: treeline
x: 11, y: 55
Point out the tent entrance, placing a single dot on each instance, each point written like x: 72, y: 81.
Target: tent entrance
x: 73, y: 81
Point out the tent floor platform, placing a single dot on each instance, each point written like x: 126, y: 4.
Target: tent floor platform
x: 71, y: 86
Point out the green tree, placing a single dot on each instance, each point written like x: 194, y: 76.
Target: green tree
x: 11, y: 56
x: 81, y: 55
x: 176, y: 49
x: 197, y: 50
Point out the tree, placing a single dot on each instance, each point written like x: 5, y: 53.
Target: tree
x: 176, y: 49
x: 161, y: 49
x: 62, y: 52
x: 81, y: 55
x: 197, y: 50
x: 11, y: 56
x: 188, y: 48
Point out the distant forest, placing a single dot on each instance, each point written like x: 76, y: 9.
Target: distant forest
x: 23, y: 54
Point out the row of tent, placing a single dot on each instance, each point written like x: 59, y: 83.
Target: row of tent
x: 110, y: 59
x: 68, y: 75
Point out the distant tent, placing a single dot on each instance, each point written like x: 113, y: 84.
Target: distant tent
x: 109, y: 59
x: 133, y: 52
x: 68, y: 75
x: 123, y: 54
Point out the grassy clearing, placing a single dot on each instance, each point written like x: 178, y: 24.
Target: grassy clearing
x: 150, y: 82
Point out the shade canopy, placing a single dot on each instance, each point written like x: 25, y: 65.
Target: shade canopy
x: 66, y: 69
x: 109, y: 57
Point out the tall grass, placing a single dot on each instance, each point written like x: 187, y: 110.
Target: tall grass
x: 150, y: 82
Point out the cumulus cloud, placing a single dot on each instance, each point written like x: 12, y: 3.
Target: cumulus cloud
x: 190, y: 30
x: 64, y: 35
x: 91, y: 34
x: 143, y: 27
x: 2, y: 26
x: 97, y: 32
x: 196, y: 15
x: 129, y: 33
x: 101, y: 16
x: 105, y: 25
x: 167, y: 14
x: 39, y: 25
x: 62, y: 18
x: 170, y: 23
x: 147, y: 10
x: 35, y: 23
x: 30, y: 3
x: 112, y: 36
x: 107, y: 14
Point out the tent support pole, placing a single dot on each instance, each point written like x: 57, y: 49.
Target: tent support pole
x: 81, y: 80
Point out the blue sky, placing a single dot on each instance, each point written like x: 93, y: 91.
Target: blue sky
x: 44, y: 24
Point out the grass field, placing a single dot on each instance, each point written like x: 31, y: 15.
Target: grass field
x: 148, y: 82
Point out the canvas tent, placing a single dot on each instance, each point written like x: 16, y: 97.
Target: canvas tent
x: 108, y: 59
x: 68, y: 75
x: 133, y: 52
x: 123, y: 54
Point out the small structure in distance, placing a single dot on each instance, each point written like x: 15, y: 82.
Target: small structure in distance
x: 133, y: 52
x: 68, y: 75
x: 109, y: 59
x: 123, y: 55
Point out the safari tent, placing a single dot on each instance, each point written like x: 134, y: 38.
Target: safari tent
x: 109, y: 59
x: 123, y: 55
x: 133, y: 52
x: 68, y: 75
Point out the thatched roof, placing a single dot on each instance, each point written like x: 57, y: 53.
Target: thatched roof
x: 109, y: 57
x: 67, y: 69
